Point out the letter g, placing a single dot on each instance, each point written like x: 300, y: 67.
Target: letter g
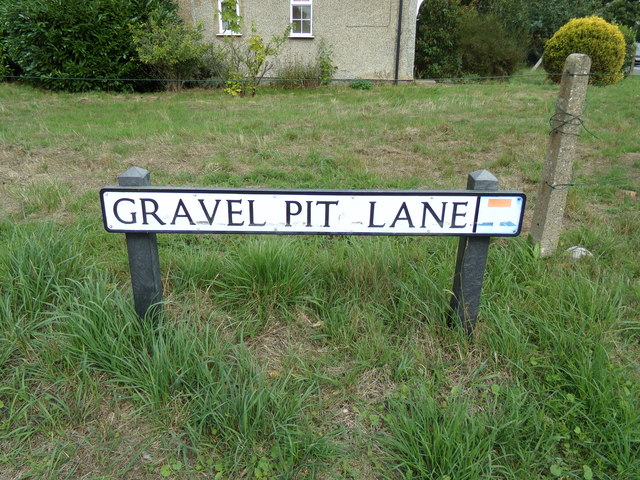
x: 115, y: 211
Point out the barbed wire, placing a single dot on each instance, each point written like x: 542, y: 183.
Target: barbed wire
x: 561, y: 119
x: 589, y: 184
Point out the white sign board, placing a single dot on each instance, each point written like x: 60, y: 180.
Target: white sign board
x: 186, y: 210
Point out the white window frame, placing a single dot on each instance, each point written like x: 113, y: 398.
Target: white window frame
x: 222, y: 30
x: 301, y: 3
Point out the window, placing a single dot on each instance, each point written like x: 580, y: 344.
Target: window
x: 301, y: 18
x: 225, y: 25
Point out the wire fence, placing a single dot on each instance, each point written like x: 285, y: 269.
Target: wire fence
x: 221, y: 81
x: 609, y: 181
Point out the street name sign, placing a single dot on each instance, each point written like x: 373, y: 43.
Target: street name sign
x: 299, y: 212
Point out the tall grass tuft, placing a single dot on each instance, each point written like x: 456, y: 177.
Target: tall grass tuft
x: 37, y: 265
x: 264, y: 278
x: 45, y: 197
x: 224, y: 396
x: 429, y: 438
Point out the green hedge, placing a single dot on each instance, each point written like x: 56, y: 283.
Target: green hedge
x: 52, y: 41
x: 5, y: 63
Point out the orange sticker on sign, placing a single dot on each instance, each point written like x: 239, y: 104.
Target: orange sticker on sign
x: 499, y: 202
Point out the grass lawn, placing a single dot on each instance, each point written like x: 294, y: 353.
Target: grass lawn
x: 322, y: 357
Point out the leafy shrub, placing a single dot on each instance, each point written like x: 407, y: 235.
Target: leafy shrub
x: 174, y: 50
x: 60, y: 40
x: 487, y: 47
x: 593, y: 36
x: 361, y: 84
x: 437, y: 49
x: 248, y: 59
x: 324, y: 59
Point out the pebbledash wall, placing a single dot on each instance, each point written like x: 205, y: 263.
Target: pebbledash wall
x: 363, y: 34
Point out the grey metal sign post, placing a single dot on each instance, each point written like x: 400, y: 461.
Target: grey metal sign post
x: 471, y: 263
x: 144, y: 262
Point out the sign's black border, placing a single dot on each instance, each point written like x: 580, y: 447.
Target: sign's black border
x: 251, y: 191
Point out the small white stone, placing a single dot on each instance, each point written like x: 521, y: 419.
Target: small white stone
x: 576, y: 253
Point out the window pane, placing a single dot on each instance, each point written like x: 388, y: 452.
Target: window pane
x: 301, y: 13
x: 301, y: 26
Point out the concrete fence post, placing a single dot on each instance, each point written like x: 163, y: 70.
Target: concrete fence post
x: 471, y: 263
x: 546, y: 224
x: 144, y: 262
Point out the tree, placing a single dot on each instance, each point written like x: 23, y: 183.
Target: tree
x: 623, y: 12
x: 536, y: 20
x: 454, y: 39
x: 437, y: 46
x: 488, y: 48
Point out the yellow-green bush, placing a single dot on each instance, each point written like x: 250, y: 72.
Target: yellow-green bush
x: 593, y: 36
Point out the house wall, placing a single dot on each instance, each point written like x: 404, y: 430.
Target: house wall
x: 361, y: 33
